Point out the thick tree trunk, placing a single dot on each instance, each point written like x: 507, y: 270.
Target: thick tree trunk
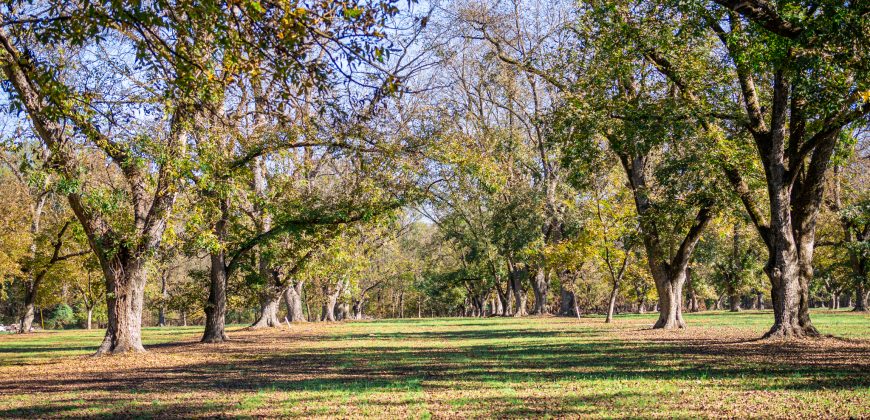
x: 329, y: 306
x: 516, y: 278
x: 216, y: 306
x: 860, y: 299
x: 541, y: 287
x: 566, y: 301
x: 29, y: 310
x: 503, y: 299
x: 789, y: 270
x: 268, y: 316
x: 125, y: 295
x: 670, y: 290
x: 357, y: 309
x: 733, y: 299
x: 669, y: 285
x: 293, y: 298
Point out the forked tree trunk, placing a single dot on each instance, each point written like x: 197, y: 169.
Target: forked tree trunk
x: 540, y: 287
x: 669, y: 274
x: 293, y: 298
x: 125, y: 295
x: 503, y: 299
x: 516, y: 278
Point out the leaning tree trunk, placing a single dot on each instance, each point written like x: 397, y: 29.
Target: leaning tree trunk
x: 293, y: 299
x: 216, y: 306
x: 125, y: 295
x: 541, y: 287
x: 611, y: 305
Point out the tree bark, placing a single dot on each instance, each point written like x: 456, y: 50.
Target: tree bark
x: 90, y: 316
x: 125, y: 287
x: 611, y: 305
x: 860, y: 299
x: 293, y: 299
x: 516, y: 276
x: 29, y: 309
x: 268, y: 316
x: 733, y: 299
x: 540, y: 287
x: 216, y: 306
x: 670, y: 290
x: 669, y: 275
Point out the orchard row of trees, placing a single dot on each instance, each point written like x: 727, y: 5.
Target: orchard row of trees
x: 205, y: 162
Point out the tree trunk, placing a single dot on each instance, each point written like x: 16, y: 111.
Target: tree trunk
x: 293, y: 299
x: 611, y: 306
x: 733, y: 299
x: 90, y: 316
x: 860, y: 299
x: 503, y: 299
x: 161, y: 316
x: 329, y: 306
x: 29, y: 309
x: 541, y: 287
x: 692, y: 295
x: 268, y: 316
x: 216, y: 306
x: 125, y: 295
x: 516, y: 276
x: 402, y: 304
x: 670, y: 290
x: 357, y: 309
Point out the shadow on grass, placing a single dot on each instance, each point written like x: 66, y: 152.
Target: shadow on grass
x: 406, y: 363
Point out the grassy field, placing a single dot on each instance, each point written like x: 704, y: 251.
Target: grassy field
x: 452, y: 368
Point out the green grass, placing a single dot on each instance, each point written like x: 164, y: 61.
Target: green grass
x: 435, y: 368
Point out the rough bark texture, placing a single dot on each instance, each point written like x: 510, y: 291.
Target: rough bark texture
x: 293, y: 299
x: 540, y: 287
x: 29, y: 310
x: 216, y: 306
x: 516, y: 276
x: 125, y: 286
x: 269, y: 302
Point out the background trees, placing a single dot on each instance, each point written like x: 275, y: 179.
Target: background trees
x: 485, y: 158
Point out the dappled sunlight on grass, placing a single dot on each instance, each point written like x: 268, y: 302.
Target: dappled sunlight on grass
x: 502, y: 367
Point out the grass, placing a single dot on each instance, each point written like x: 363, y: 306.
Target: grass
x: 446, y: 368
